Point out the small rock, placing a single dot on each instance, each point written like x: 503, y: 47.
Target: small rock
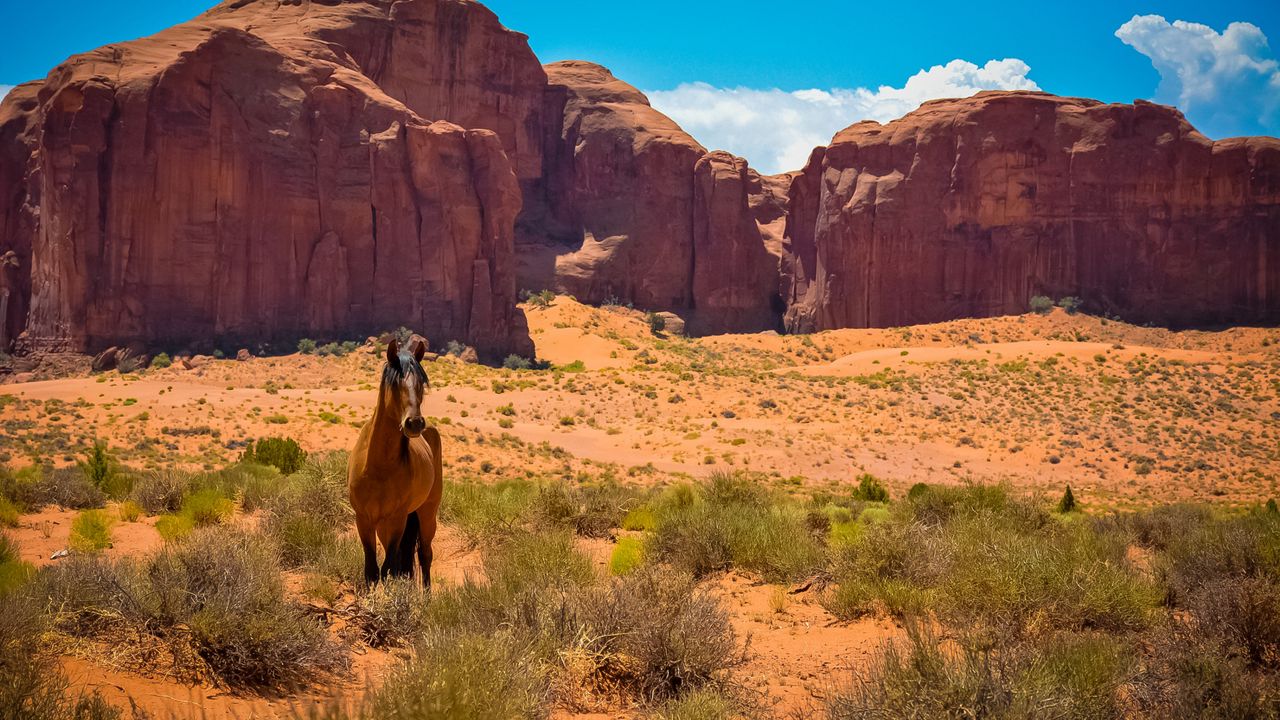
x: 415, y: 338
x: 430, y: 357
x: 673, y: 324
x: 106, y: 360
x: 243, y: 355
x: 60, y: 554
x: 192, y: 363
x: 469, y: 356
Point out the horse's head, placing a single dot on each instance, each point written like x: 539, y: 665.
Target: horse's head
x: 403, y: 384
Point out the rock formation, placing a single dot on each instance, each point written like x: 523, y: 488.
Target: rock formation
x: 270, y: 171
x: 967, y: 208
x: 276, y: 169
x: 636, y: 210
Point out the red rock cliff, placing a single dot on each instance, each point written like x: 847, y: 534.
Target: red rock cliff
x: 636, y: 210
x: 270, y: 171
x: 967, y: 208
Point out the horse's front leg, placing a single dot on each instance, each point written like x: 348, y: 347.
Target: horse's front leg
x: 391, y: 534
x: 369, y: 542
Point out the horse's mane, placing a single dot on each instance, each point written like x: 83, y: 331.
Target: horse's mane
x: 391, y: 374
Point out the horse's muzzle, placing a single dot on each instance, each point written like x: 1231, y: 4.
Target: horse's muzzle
x: 414, y: 426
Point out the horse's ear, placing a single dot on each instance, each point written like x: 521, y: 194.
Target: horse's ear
x: 419, y: 349
x: 393, y: 353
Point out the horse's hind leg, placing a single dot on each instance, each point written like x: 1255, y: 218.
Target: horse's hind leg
x: 408, y: 544
x: 368, y: 541
x: 426, y: 534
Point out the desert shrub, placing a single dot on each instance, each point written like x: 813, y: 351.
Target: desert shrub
x: 657, y: 633
x: 391, y: 613
x: 161, y: 361
x: 129, y: 511
x: 22, y: 487
x: 1068, y: 502
x: 730, y: 520
x: 174, y: 527
x: 250, y: 482
x: 1071, y: 304
x: 282, y: 453
x: 515, y: 362
x: 98, y: 466
x: 541, y: 299
x: 13, y: 571
x: 1040, y: 304
x: 701, y: 704
x: 467, y: 675
x: 485, y: 512
x: 1068, y: 676
x: 31, y: 688
x: 307, y: 346
x: 1242, y: 614
x: 161, y: 491
x: 870, y: 489
x: 592, y: 509
x: 1190, y: 675
x: 308, y: 514
x: 656, y: 322
x: 974, y: 555
x: 627, y: 555
x: 8, y: 513
x: 69, y: 488
x: 216, y: 599
x: 91, y: 531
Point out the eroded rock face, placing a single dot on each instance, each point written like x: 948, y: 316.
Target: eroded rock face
x: 245, y: 177
x: 637, y: 211
x: 967, y: 208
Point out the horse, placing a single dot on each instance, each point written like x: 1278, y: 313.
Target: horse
x: 394, y: 474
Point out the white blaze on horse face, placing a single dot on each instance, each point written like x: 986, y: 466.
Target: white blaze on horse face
x: 411, y: 420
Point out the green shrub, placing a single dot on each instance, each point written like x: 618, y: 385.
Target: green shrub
x: 1067, y: 503
x: 656, y: 322
x: 161, y: 361
x: 14, y: 572
x: 310, y: 511
x: 307, y: 346
x: 627, y: 555
x: 732, y: 521
x: 1077, y: 676
x: 1071, y: 304
x: 469, y: 675
x: 701, y: 704
x: 91, y: 531
x: 484, y: 512
x: 129, y: 511
x: 1040, y: 304
x: 207, y: 507
x: 515, y: 362
x: 542, y: 299
x: 98, y: 465
x: 870, y: 489
x: 284, y: 454
x: 8, y: 513
x: 391, y: 613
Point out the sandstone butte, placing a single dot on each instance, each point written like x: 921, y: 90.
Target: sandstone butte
x: 276, y: 170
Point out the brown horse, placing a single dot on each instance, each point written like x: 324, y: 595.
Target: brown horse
x: 394, y: 474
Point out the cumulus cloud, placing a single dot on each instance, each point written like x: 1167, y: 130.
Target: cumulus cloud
x: 777, y: 129
x: 1227, y: 83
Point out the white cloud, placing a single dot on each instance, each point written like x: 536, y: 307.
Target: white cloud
x: 777, y: 129
x: 1226, y: 82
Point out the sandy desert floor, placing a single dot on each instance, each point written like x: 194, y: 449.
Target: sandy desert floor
x: 1128, y: 416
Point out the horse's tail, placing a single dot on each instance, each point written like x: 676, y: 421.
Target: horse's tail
x: 409, y: 544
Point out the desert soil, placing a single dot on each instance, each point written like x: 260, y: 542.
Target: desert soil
x: 1127, y: 416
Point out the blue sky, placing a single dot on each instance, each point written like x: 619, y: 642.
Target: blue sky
x: 728, y: 71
